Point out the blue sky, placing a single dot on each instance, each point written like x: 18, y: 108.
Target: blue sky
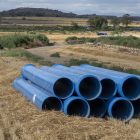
x: 105, y: 7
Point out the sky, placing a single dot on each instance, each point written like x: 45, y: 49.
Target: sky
x: 105, y: 7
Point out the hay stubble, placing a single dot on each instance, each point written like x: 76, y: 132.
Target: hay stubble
x: 19, y: 119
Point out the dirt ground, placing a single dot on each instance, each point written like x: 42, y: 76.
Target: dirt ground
x: 19, y: 119
x: 113, y: 56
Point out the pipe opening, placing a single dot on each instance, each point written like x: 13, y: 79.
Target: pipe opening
x: 131, y: 88
x: 52, y: 103
x: 121, y: 109
x: 78, y: 107
x: 136, y: 105
x: 97, y: 107
x: 89, y: 87
x: 63, y: 88
x: 108, y: 89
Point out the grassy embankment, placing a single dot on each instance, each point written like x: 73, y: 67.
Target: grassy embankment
x: 128, y: 41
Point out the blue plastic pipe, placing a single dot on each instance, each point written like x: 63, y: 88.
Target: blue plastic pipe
x: 109, y: 87
x: 128, y: 86
x: 39, y: 97
x: 76, y: 106
x: 86, y: 86
x: 136, y: 105
x: 59, y: 86
x: 120, y: 108
x: 105, y: 70
x: 97, y: 107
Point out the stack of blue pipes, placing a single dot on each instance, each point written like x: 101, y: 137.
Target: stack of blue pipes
x: 81, y: 90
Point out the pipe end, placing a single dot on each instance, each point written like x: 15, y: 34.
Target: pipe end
x: 24, y: 68
x: 14, y: 83
x: 55, y: 65
x: 125, y: 107
x: 76, y: 106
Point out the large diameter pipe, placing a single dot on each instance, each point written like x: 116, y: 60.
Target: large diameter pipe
x: 39, y: 97
x: 120, y: 108
x: 97, y: 107
x: 61, y: 87
x: 76, y: 106
x: 86, y: 86
x: 105, y: 70
x: 109, y: 87
x: 136, y: 105
x: 128, y: 86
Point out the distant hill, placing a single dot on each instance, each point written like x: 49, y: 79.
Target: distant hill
x: 42, y: 12
x: 39, y: 12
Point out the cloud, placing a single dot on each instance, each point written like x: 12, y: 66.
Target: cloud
x: 95, y: 6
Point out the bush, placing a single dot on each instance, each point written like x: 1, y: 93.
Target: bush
x: 19, y: 40
x: 71, y: 38
x: 73, y: 61
x: 55, y: 55
x: 23, y: 18
x: 74, y: 25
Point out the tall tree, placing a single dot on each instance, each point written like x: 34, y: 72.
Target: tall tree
x: 115, y: 21
x: 126, y: 20
x: 97, y: 21
x: 74, y: 24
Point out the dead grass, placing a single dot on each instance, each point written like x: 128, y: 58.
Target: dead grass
x: 52, y: 21
x: 115, y: 57
x: 102, y: 52
x: 39, y: 21
x: 19, y: 119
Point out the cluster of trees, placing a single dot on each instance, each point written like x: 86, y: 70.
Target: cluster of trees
x: 102, y: 22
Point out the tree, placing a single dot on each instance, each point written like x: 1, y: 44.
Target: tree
x: 14, y: 24
x: 115, y: 21
x: 97, y: 21
x: 23, y: 18
x: 126, y: 20
x: 74, y: 24
x: 104, y: 26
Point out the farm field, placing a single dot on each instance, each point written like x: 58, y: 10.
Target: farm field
x: 51, y: 21
x: 20, y: 119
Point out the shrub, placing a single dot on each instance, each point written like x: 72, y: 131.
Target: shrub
x: 19, y: 40
x: 14, y: 24
x: 23, y: 18
x: 73, y: 61
x: 74, y: 25
x: 71, y: 38
x: 55, y: 55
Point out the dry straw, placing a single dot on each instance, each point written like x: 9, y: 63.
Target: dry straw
x: 19, y: 119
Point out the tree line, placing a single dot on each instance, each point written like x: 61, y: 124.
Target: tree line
x: 99, y: 21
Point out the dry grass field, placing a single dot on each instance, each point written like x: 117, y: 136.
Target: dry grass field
x: 51, y: 21
x: 40, y: 21
x: 19, y: 119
